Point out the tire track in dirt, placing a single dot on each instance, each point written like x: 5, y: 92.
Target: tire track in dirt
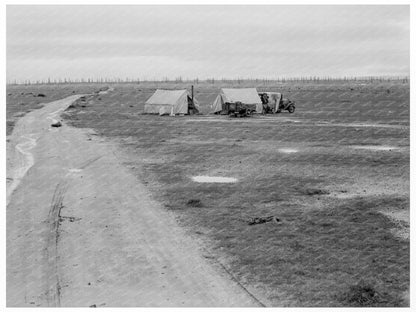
x: 54, y: 219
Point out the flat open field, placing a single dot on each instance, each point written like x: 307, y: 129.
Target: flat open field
x: 335, y: 175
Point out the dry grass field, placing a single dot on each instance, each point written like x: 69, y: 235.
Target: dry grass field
x: 335, y: 175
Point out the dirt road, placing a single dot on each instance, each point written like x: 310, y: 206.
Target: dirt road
x: 83, y: 231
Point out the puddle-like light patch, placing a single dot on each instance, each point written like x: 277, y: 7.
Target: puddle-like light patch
x: 375, y: 147
x: 74, y: 170
x: 208, y: 179
x: 288, y: 150
x: 27, y: 161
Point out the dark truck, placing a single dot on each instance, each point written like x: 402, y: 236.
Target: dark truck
x: 273, y: 102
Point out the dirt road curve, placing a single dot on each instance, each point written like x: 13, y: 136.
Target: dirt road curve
x: 82, y: 231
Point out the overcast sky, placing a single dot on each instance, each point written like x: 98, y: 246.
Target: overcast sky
x: 206, y: 41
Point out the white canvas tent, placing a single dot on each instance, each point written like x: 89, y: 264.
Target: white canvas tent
x: 171, y: 102
x: 244, y: 95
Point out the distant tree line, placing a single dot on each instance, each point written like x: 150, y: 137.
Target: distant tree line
x: 309, y: 79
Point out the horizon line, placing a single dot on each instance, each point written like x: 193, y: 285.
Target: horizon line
x: 198, y: 80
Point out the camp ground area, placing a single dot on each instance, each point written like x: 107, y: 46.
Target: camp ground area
x: 154, y: 195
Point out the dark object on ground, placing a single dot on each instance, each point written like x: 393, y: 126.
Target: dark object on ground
x: 194, y: 203
x: 239, y: 109
x: 102, y: 89
x: 363, y: 295
x: 260, y: 220
x: 41, y: 95
x: 93, y: 306
x: 316, y: 192
x: 56, y: 123
x: 82, y: 101
x: 70, y: 219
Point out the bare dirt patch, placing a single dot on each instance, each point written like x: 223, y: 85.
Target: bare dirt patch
x: 208, y: 179
x: 362, y: 125
x: 400, y: 216
x: 375, y: 147
x: 288, y: 150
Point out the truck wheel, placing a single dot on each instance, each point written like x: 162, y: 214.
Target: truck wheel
x: 291, y: 109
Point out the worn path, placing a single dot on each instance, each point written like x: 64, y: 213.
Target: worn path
x: 83, y: 231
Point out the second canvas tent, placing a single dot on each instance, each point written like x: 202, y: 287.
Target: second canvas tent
x: 171, y: 102
x: 244, y: 95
